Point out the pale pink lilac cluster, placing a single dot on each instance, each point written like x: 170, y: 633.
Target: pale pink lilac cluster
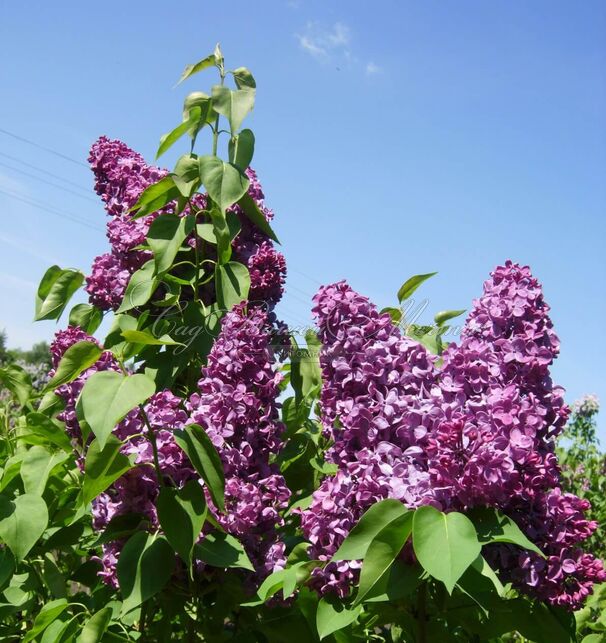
x: 121, y: 175
x: 476, y: 431
x: 587, y: 406
x: 236, y: 405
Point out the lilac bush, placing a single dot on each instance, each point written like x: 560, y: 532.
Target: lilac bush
x: 197, y: 475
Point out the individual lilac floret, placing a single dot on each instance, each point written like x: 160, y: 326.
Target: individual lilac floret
x: 237, y: 407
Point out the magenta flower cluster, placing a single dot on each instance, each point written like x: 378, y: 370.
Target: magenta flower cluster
x: 236, y: 405
x: 121, y: 175
x: 477, y: 430
x: 136, y: 491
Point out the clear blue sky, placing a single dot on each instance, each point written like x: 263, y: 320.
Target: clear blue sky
x: 393, y: 138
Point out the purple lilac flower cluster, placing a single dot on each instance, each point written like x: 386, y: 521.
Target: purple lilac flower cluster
x: 136, y: 491
x: 511, y: 417
x: 476, y: 431
x: 69, y: 392
x: 236, y: 406
x: 121, y: 175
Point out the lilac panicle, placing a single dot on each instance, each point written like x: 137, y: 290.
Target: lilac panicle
x: 477, y: 430
x: 377, y: 406
x: 236, y: 405
x: 137, y: 490
x: 121, y: 175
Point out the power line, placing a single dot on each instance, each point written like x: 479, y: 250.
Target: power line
x: 43, y: 171
x: 64, y: 215
x: 38, y: 178
x: 42, y: 147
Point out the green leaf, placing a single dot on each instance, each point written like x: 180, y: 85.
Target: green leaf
x: 481, y: 567
x: 140, y: 288
x: 232, y: 281
x: 233, y: 104
x: 49, y: 613
x: 145, y: 337
x: 305, y: 371
x: 222, y: 234
x: 17, y: 381
x: 494, y: 527
x: 96, y: 626
x: 444, y: 315
x: 254, y: 214
x: 86, y: 316
x: 225, y: 182
x: 166, y: 236
x: 400, y: 581
x: 182, y: 513
x: 206, y: 230
x: 119, y: 527
x: 395, y: 314
x: 243, y: 78
x: 168, y: 140
x: 46, y: 428
x: 7, y: 565
x: 222, y: 550
x: 145, y: 565
x: 242, y: 148
x: 380, y: 555
x: 108, y: 396
x: 55, y: 291
x: 287, y: 580
x: 375, y: 519
x: 444, y: 544
x: 408, y: 287
x: 102, y: 467
x: 205, y: 459
x: 37, y: 465
x: 204, y: 102
x: 190, y: 70
x: 186, y: 175
x: 155, y: 197
x: 332, y: 616
x: 77, y: 358
x: 22, y: 522
x: 53, y: 578
x: 50, y: 404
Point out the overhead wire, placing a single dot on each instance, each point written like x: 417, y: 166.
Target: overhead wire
x: 50, y: 150
x: 38, y: 178
x: 64, y: 215
x: 43, y: 171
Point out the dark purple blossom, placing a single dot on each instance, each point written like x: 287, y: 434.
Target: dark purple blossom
x: 477, y: 430
x: 236, y: 405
